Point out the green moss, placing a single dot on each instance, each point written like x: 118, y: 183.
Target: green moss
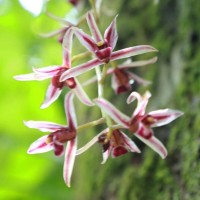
x: 173, y: 28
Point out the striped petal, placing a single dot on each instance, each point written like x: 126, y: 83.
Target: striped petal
x: 70, y: 111
x: 81, y: 94
x: 113, y: 112
x: 142, y: 102
x: 106, y: 155
x: 80, y: 69
x: 129, y: 144
x: 85, y: 40
x: 50, y: 70
x: 32, y: 77
x: 67, y: 47
x: 132, y: 51
x: 140, y: 63
x: 138, y: 79
x: 164, y: 116
x: 155, y: 144
x: 70, y: 155
x: 93, y: 27
x: 52, y: 94
x: 111, y: 35
x: 44, y: 126
x: 40, y: 146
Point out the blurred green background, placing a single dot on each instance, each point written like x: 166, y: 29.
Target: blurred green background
x: 173, y: 27
x: 24, y: 176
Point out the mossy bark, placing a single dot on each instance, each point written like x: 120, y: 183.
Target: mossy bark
x: 172, y: 26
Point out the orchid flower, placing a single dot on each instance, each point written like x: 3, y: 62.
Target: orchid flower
x: 59, y: 136
x: 117, y: 144
x: 140, y: 123
x: 122, y: 78
x: 54, y: 72
x: 102, y: 48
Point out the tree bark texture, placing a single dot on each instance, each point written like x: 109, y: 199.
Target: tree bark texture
x: 173, y: 27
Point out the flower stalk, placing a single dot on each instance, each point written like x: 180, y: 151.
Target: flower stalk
x: 91, y: 124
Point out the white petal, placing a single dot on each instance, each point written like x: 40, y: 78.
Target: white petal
x: 164, y: 116
x: 155, y: 144
x: 50, y: 70
x: 82, y: 95
x: 113, y: 112
x: 140, y: 63
x: 44, y: 126
x: 111, y: 34
x: 67, y: 47
x: 70, y: 111
x: 80, y: 69
x: 138, y: 79
x: 32, y: 77
x: 142, y: 102
x: 85, y: 40
x: 106, y: 155
x: 132, y: 51
x: 40, y: 146
x: 93, y: 27
x: 130, y: 144
x: 51, y: 95
x: 70, y: 155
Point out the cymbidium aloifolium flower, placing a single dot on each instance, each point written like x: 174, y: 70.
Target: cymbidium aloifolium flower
x: 102, y: 48
x: 141, y: 123
x: 113, y: 142
x: 123, y: 77
x: 59, y: 136
x: 54, y: 72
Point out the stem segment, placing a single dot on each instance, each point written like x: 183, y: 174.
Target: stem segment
x: 90, y: 124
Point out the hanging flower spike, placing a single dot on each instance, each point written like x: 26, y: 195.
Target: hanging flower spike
x: 102, y: 48
x: 122, y: 78
x: 59, y: 136
x: 55, y: 88
x: 140, y: 123
x: 117, y: 144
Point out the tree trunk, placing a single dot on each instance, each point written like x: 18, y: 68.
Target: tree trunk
x: 171, y: 26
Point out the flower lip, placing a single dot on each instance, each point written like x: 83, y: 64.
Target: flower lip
x: 104, y: 54
x: 62, y: 135
x: 119, y: 151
